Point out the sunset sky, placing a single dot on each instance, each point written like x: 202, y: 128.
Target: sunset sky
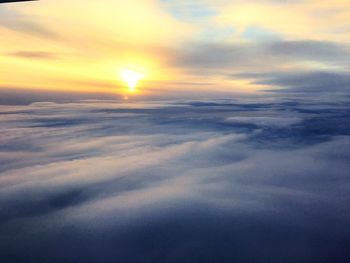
x: 178, y: 46
x: 175, y: 131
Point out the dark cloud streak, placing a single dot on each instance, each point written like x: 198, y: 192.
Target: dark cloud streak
x: 34, y: 55
x: 319, y: 81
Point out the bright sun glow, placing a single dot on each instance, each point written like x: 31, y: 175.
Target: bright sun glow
x: 131, y: 78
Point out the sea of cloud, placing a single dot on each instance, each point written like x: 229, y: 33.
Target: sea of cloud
x: 239, y: 180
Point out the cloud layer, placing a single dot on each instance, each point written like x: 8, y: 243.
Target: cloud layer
x: 180, y: 181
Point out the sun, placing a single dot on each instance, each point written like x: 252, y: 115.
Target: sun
x: 131, y: 78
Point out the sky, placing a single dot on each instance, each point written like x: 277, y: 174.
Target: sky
x: 181, y: 47
x: 171, y: 131
x: 234, y: 180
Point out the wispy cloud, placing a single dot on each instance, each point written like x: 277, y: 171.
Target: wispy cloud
x: 33, y: 55
x: 259, y: 56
